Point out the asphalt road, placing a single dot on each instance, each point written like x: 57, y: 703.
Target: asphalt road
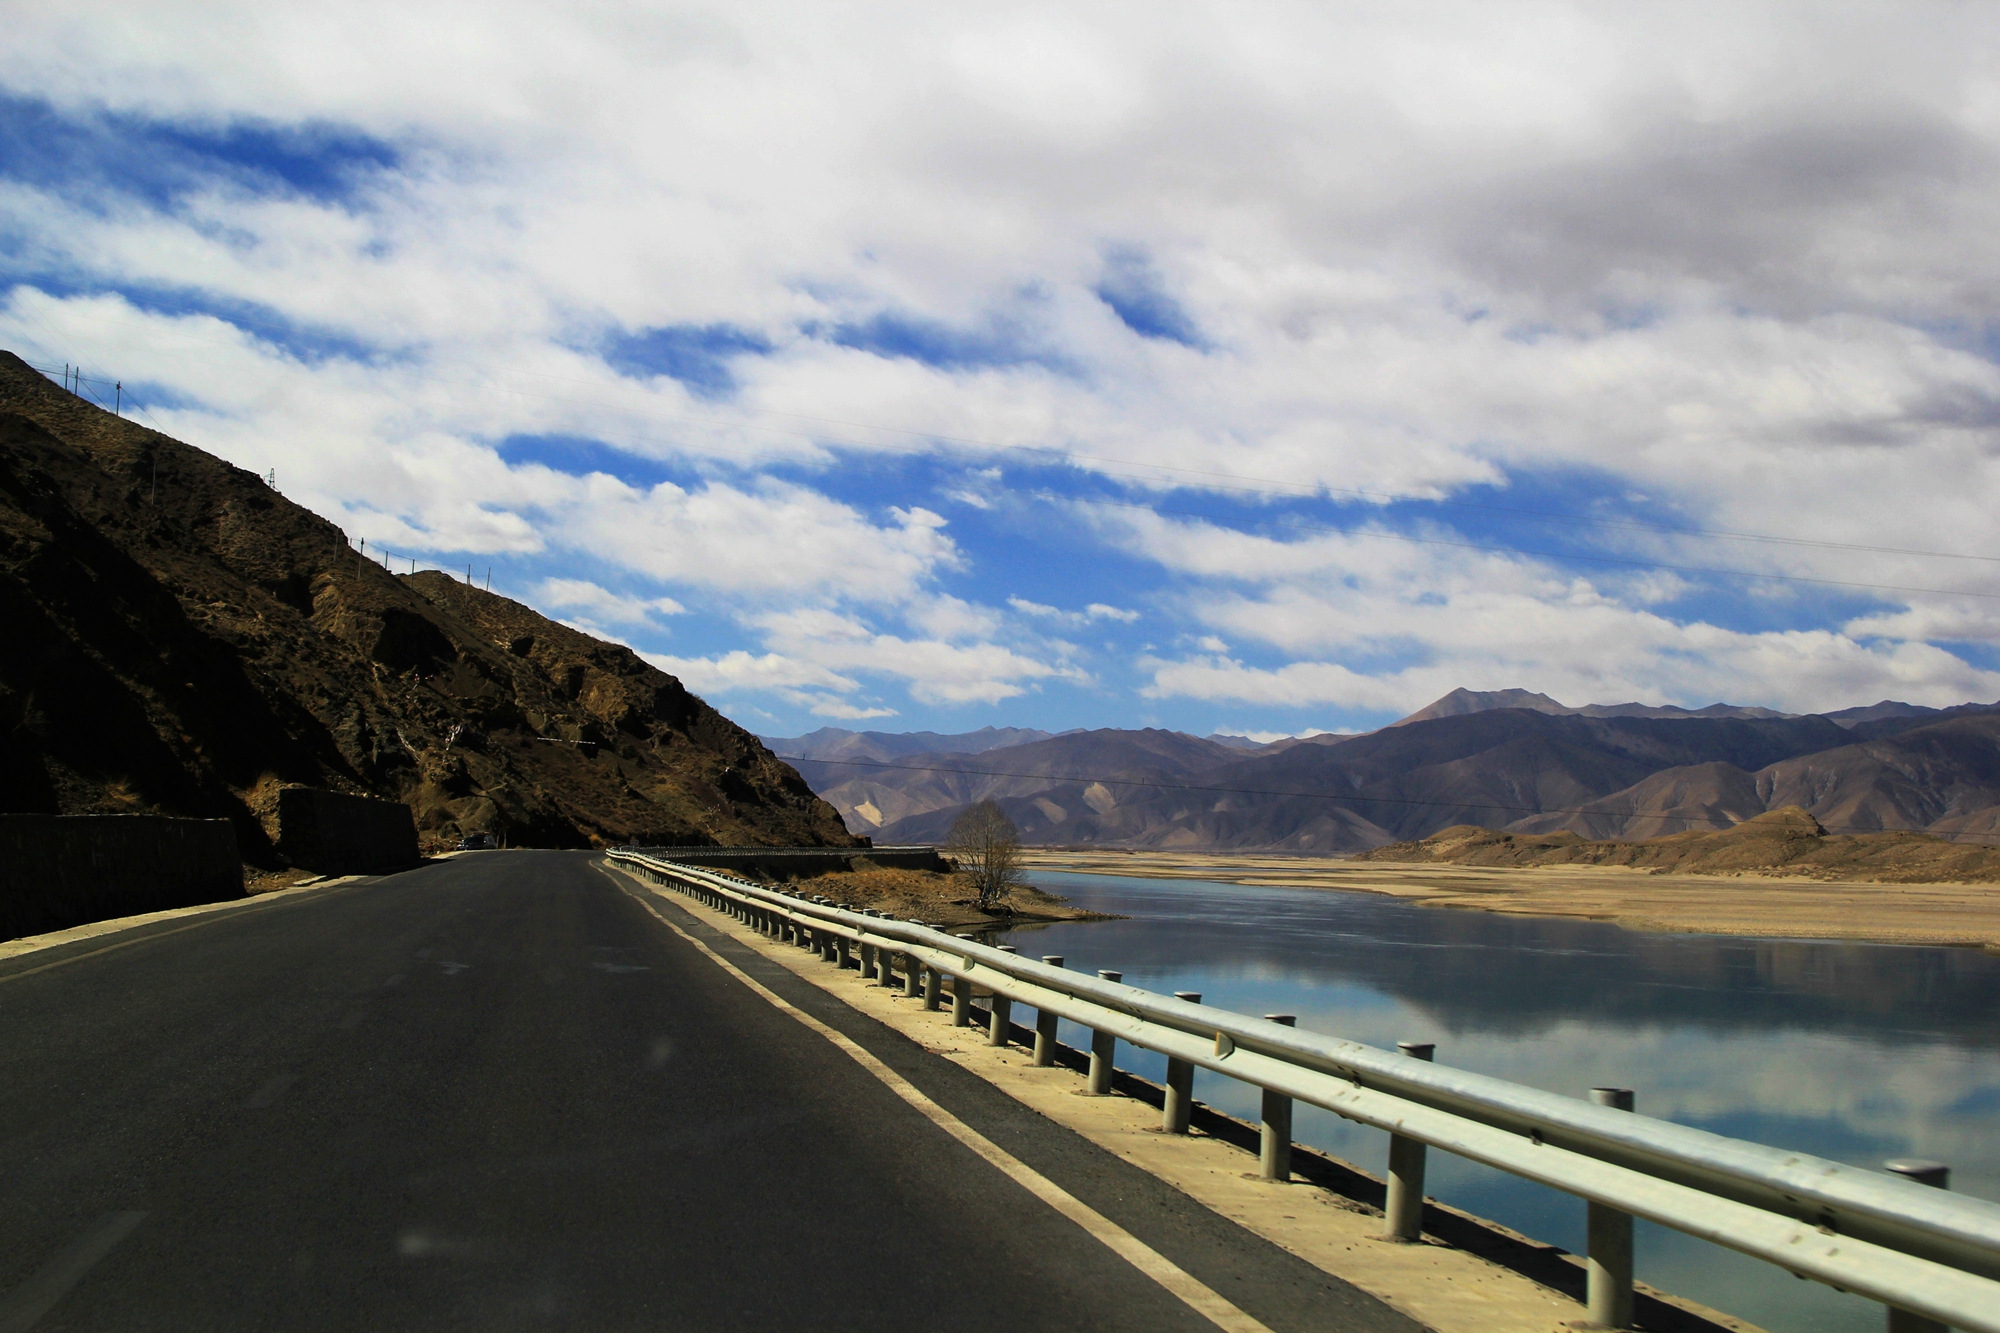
x: 496, y: 1093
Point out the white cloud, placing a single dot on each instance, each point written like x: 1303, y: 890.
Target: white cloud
x: 934, y: 671
x: 846, y: 712
x: 602, y: 605
x: 1096, y: 611
x: 739, y: 670
x: 1266, y: 737
x: 1722, y: 257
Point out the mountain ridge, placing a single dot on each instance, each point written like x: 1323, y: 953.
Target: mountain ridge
x: 1600, y: 771
x: 182, y: 639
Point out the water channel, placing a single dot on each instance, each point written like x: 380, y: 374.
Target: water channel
x: 1856, y: 1052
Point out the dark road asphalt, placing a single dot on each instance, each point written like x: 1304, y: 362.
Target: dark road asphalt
x: 495, y: 1093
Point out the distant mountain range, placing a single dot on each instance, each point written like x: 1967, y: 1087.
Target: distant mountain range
x: 1507, y: 759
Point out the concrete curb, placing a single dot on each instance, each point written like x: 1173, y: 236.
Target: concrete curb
x: 28, y: 944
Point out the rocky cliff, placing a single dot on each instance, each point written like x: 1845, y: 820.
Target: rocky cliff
x: 180, y: 638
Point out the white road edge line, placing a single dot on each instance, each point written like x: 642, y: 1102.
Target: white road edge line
x: 1193, y: 1293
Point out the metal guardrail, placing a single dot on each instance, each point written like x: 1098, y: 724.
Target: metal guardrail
x: 1932, y: 1256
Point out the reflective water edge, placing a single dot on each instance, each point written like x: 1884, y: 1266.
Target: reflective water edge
x: 1856, y: 1052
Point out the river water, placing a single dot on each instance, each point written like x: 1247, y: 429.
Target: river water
x: 1856, y: 1052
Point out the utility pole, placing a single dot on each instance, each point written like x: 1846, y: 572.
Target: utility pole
x: 120, y: 399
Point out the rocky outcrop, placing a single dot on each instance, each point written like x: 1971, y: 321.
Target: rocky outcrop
x: 182, y: 639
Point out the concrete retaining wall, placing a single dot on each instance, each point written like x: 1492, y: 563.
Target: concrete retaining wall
x: 58, y: 871
x: 779, y: 863
x: 337, y: 834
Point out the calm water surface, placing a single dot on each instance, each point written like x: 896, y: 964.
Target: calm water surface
x: 1856, y: 1052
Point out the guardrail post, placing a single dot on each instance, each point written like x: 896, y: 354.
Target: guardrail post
x: 1274, y: 1139
x: 875, y: 968
x: 913, y: 977
x: 1103, y: 1051
x: 933, y: 988
x: 1403, y: 1211
x: 867, y: 961
x: 1938, y: 1176
x: 1045, y: 1024
x: 1000, y: 1018
x: 842, y: 951
x: 1609, y: 1262
x: 1180, y: 1084
x: 961, y: 1001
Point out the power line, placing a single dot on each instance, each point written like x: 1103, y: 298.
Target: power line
x: 1333, y: 797
x: 83, y: 379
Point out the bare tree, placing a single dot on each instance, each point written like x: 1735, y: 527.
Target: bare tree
x: 987, y: 847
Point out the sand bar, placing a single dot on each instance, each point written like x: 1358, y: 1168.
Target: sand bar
x: 1945, y: 914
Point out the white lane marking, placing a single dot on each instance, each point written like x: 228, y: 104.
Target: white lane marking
x: 270, y: 1092
x: 22, y: 1307
x: 1193, y: 1293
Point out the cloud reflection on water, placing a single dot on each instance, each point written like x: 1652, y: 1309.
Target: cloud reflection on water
x: 1851, y: 1051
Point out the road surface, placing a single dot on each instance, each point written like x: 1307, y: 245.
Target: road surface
x: 497, y: 1093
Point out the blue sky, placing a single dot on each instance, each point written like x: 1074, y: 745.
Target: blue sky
x: 1076, y: 366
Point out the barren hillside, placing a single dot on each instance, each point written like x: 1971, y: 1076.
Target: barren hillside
x: 1787, y: 841
x: 182, y: 638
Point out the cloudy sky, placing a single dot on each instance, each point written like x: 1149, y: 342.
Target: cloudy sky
x: 1253, y: 368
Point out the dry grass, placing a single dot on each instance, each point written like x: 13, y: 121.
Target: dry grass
x: 939, y: 899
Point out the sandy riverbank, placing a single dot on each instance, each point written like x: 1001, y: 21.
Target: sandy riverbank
x: 1950, y: 914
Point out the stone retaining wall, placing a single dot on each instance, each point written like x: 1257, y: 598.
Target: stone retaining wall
x: 58, y: 871
x: 337, y: 834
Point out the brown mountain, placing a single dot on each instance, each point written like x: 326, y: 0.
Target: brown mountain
x: 831, y: 743
x: 1928, y: 777
x: 1462, y: 701
x: 1784, y: 841
x: 1713, y: 795
x: 181, y: 638
x: 1527, y: 771
x: 1035, y: 782
x: 1494, y: 766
